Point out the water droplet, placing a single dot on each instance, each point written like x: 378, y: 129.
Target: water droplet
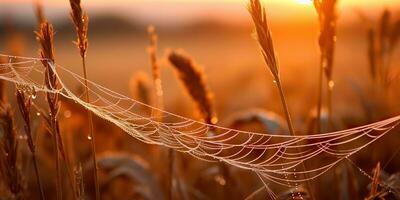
x: 67, y: 114
x: 274, y: 81
x: 220, y: 180
x: 331, y: 84
x: 324, y: 64
x: 214, y: 120
x: 33, y: 93
x: 22, y: 137
x: 89, y: 137
x: 38, y: 113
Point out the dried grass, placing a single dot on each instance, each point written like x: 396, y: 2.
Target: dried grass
x: 264, y: 37
x: 129, y: 171
x: 375, y: 181
x: 10, y: 171
x: 326, y: 10
x: 267, y: 49
x: 193, y: 79
x: 372, y: 49
x: 81, y: 21
x: 80, y: 191
x: 39, y: 12
x: 159, y: 103
x: 24, y: 104
x: 388, y: 36
x: 45, y: 36
x: 155, y: 69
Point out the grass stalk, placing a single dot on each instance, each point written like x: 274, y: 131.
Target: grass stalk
x: 193, y: 78
x: 45, y: 36
x: 24, y: 105
x: 156, y: 73
x: 171, y: 167
x: 326, y: 10
x: 81, y: 22
x: 320, y: 91
x: 91, y: 133
x: 57, y: 159
x: 9, y: 170
x: 285, y: 107
x: 265, y: 41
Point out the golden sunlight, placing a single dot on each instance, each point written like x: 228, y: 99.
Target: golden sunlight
x: 304, y: 2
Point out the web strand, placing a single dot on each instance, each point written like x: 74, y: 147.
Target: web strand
x: 273, y: 157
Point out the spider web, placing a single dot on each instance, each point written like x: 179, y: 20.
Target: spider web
x: 277, y: 158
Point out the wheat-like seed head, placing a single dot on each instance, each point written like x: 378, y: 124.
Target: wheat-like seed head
x: 264, y: 36
x: 152, y: 52
x: 39, y: 12
x: 45, y: 37
x: 326, y: 10
x: 394, y: 36
x: 194, y: 80
x: 81, y: 22
x: 10, y: 172
x: 155, y: 67
x: 384, y: 31
x: 24, y: 104
x: 372, y: 53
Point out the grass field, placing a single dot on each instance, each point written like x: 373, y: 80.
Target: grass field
x: 221, y: 74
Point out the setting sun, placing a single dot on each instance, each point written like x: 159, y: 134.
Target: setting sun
x: 304, y: 2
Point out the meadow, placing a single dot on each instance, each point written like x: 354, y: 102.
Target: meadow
x: 261, y: 110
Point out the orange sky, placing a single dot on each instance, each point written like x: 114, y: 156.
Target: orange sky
x: 165, y: 11
x: 279, y: 2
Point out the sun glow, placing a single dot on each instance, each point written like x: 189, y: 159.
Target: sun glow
x: 304, y: 2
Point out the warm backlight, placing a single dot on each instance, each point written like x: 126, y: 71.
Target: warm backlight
x: 304, y: 2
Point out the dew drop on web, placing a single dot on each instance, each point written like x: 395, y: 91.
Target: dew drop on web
x: 33, y: 93
x: 331, y: 84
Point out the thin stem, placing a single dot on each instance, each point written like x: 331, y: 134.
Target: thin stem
x: 38, y: 181
x: 171, y: 166
x: 30, y: 142
x: 34, y: 160
x: 91, y: 135
x: 152, y: 50
x: 253, y: 195
x: 329, y: 106
x: 319, y: 102
x: 66, y: 160
x: 285, y: 107
x: 290, y: 126
x: 58, y: 172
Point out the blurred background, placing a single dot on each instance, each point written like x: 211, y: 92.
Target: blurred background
x: 218, y: 35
